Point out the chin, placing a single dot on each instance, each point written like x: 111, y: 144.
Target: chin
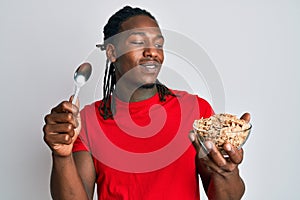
x: 148, y: 86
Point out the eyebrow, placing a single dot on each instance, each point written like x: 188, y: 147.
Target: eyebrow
x: 144, y: 34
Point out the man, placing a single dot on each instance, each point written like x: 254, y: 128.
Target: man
x: 140, y: 115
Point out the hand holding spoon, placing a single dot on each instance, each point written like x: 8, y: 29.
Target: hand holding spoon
x: 81, y: 76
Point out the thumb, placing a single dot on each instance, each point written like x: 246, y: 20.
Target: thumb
x: 77, y: 103
x: 246, y: 116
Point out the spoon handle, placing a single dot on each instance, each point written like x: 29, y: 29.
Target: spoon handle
x: 75, y: 95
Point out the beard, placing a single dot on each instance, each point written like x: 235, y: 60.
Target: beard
x: 148, y: 86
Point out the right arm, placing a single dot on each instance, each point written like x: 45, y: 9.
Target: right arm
x: 73, y: 175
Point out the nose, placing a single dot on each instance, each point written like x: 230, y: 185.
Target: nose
x: 150, y: 52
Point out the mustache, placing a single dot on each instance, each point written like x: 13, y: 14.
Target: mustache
x: 153, y: 61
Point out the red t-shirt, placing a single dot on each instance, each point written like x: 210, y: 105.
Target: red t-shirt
x: 144, y: 152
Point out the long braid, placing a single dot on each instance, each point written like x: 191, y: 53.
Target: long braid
x: 109, y: 83
x: 107, y: 108
x: 163, y: 91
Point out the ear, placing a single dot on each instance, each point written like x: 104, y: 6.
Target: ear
x: 111, y: 52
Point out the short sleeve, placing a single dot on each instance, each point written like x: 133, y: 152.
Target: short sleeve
x: 205, y: 108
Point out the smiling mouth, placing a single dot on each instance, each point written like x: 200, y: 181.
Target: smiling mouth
x: 150, y: 65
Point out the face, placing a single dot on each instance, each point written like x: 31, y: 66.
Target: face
x: 138, y: 50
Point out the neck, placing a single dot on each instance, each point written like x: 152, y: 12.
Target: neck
x: 130, y: 95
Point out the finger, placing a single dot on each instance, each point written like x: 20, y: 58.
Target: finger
x: 55, y: 118
x: 215, y: 154
x: 201, y: 151
x: 235, y: 155
x: 221, y: 165
x: 65, y: 106
x: 246, y: 116
x: 64, y: 128
x: 55, y: 139
x: 192, y: 137
x: 229, y: 167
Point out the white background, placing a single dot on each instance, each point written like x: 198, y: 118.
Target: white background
x: 254, y: 45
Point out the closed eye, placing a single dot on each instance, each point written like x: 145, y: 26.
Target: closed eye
x: 137, y: 42
x: 159, y: 46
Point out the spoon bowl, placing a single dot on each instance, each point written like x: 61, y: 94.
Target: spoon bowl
x: 81, y: 76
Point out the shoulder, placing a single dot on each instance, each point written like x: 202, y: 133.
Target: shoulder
x: 186, y: 95
x: 90, y: 108
x: 190, y: 99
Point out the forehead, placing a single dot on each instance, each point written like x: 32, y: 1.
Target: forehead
x: 140, y: 22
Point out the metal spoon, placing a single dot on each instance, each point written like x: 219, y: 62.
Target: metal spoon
x: 81, y: 76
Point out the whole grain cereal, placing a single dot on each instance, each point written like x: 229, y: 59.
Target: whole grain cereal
x: 222, y: 128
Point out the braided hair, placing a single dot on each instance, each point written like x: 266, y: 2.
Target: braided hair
x: 110, y: 29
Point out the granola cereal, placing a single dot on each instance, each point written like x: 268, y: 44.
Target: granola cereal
x: 222, y: 128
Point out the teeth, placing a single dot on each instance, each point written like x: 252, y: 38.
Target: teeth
x: 150, y: 66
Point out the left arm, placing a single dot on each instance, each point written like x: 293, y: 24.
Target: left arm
x: 220, y: 176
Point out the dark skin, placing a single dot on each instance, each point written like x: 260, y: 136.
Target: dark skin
x: 219, y: 175
x: 73, y: 174
x: 141, y: 45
